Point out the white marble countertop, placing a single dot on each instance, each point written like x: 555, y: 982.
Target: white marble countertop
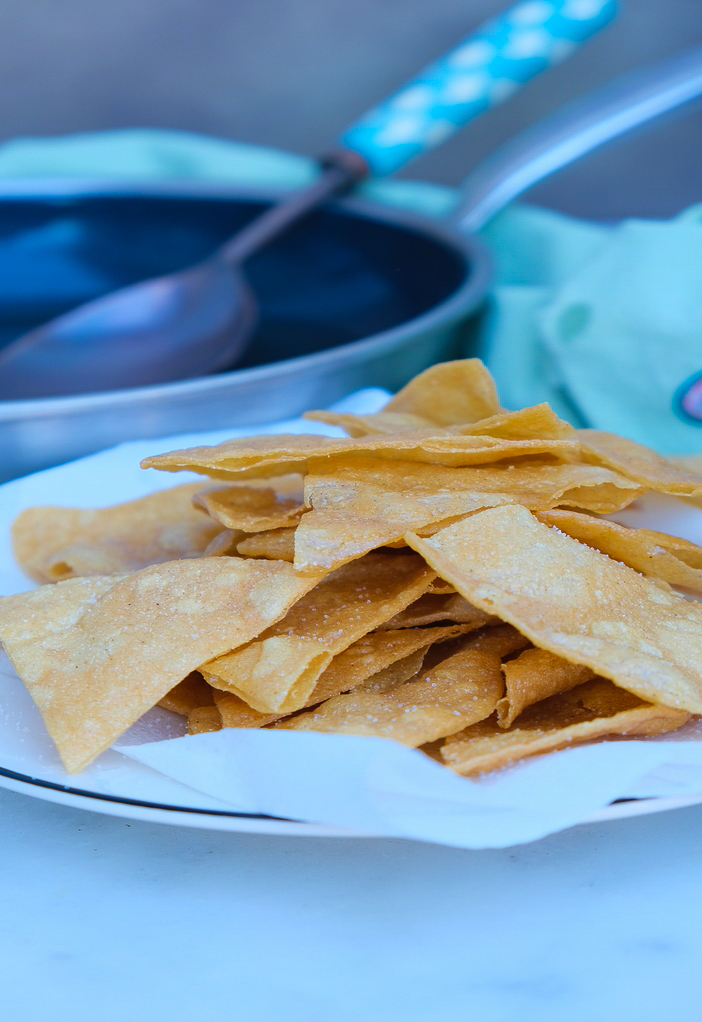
x: 104, y: 919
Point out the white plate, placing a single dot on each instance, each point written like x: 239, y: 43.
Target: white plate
x: 119, y: 786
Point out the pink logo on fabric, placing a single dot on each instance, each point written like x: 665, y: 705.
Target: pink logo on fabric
x: 687, y: 400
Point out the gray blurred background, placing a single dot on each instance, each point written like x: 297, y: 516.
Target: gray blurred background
x: 293, y: 73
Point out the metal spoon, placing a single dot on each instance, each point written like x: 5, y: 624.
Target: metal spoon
x: 200, y: 320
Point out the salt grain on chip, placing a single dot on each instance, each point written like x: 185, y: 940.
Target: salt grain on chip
x: 656, y: 554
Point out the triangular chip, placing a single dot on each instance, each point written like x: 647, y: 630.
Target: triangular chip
x: 656, y: 554
x: 448, y: 394
x: 204, y: 719
x: 592, y: 710
x: 278, y: 672
x: 434, y: 607
x: 276, y: 545
x: 97, y: 653
x: 359, y: 504
x: 262, y: 456
x: 250, y: 508
x: 373, y: 653
x: 534, y: 675
x: 461, y: 690
x: 639, y: 463
x: 188, y: 695
x: 536, y: 422
x: 54, y: 543
x: 575, y: 602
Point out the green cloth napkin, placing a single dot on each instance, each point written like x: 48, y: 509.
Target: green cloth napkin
x: 605, y: 323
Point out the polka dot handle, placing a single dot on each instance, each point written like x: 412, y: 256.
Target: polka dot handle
x: 481, y: 72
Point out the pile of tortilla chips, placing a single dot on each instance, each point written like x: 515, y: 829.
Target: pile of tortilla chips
x: 443, y: 576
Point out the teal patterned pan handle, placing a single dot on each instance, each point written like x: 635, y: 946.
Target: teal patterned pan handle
x: 481, y: 72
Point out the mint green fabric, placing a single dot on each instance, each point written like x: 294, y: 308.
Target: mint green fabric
x: 603, y: 322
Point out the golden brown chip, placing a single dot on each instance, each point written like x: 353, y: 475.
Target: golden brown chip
x: 359, y: 504
x: 592, y: 710
x: 234, y: 712
x: 188, y: 695
x: 639, y: 463
x: 277, y: 545
x: 274, y: 674
x: 203, y: 719
x: 262, y: 456
x: 502, y: 640
x: 224, y: 544
x: 395, y: 674
x: 461, y: 690
x: 448, y: 394
x: 537, y: 422
x: 534, y: 675
x: 54, y: 543
x: 96, y: 653
x: 432, y: 608
x: 373, y: 653
x: 575, y: 602
x: 278, y: 672
x: 676, y: 561
x: 366, y: 425
x: 250, y: 508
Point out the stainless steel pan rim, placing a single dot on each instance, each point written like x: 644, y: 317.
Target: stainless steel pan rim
x: 464, y: 300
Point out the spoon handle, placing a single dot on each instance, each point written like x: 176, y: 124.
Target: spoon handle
x: 479, y: 73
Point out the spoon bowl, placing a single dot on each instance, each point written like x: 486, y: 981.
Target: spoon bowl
x: 171, y: 327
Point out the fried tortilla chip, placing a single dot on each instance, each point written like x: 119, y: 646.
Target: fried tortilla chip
x: 278, y: 672
x: 639, y: 463
x: 373, y: 653
x: 536, y: 422
x: 656, y: 554
x: 54, y: 543
x: 575, y: 602
x: 592, y: 710
x: 367, y: 425
x: 277, y: 545
x: 534, y: 675
x: 434, y: 607
x: 234, y: 712
x: 224, y: 544
x: 262, y: 456
x: 359, y: 504
x: 449, y: 394
x: 395, y: 674
x: 250, y: 508
x: 274, y: 674
x: 96, y: 653
x: 465, y: 688
x: 203, y: 719
x: 502, y: 640
x: 188, y: 695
